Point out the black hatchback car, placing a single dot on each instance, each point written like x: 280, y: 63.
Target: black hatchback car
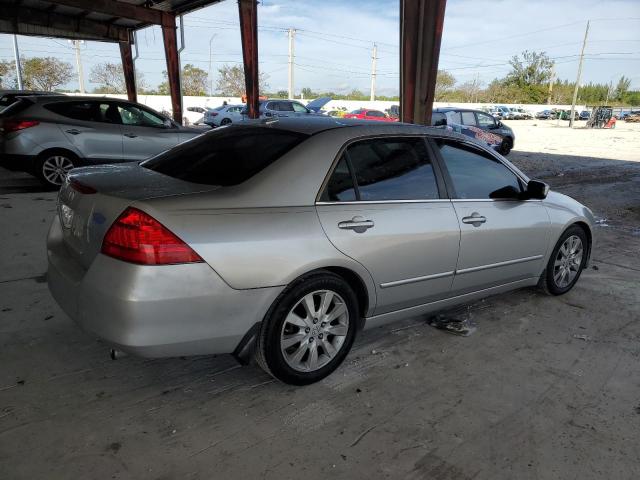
x: 478, y: 119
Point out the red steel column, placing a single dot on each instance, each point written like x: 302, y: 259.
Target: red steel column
x: 421, y: 23
x: 173, y: 63
x: 128, y: 70
x: 248, y: 10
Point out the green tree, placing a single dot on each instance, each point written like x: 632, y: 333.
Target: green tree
x: 45, y: 73
x: 231, y: 81
x: 444, y: 84
x: 7, y: 74
x: 110, y: 78
x: 623, y: 86
x: 534, y: 68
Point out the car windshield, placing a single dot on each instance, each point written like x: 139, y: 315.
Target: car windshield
x: 226, y: 157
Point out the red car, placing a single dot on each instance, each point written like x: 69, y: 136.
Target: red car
x: 366, y: 114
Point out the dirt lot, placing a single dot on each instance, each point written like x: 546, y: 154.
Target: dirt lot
x: 547, y: 388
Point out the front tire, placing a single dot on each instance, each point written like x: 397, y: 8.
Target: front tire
x: 309, y: 330
x: 566, y: 262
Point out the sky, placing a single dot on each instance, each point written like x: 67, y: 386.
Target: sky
x: 334, y: 41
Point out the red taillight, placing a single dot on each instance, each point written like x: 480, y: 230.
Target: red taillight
x: 139, y: 238
x: 12, y: 125
x: 213, y: 114
x: 81, y: 187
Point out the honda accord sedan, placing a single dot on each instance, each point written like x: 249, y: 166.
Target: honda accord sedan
x: 283, y: 239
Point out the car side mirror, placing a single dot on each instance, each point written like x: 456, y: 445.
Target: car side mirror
x: 167, y: 123
x: 498, y: 124
x: 537, y: 189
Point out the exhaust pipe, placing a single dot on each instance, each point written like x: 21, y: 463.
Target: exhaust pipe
x: 116, y: 354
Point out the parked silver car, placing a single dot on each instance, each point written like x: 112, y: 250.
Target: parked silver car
x: 47, y: 136
x: 287, y: 237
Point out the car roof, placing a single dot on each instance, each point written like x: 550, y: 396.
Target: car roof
x: 315, y: 124
x: 456, y: 109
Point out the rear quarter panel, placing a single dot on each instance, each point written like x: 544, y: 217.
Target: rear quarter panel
x: 256, y: 247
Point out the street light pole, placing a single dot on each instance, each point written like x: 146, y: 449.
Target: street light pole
x: 16, y: 53
x: 210, y: 77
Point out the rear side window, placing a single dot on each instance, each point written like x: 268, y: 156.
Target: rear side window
x: 454, y: 117
x: 468, y: 118
x: 476, y: 175
x: 384, y: 169
x: 438, y: 119
x: 85, y: 111
x: 226, y: 157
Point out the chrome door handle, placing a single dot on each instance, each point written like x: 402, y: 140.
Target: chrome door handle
x: 73, y: 131
x: 357, y: 224
x: 474, y: 219
x: 130, y: 135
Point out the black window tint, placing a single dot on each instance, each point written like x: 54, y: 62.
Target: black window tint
x: 474, y: 174
x: 438, y: 119
x: 393, y: 169
x: 468, y: 118
x: 85, y: 111
x: 225, y: 157
x: 285, y: 107
x: 340, y: 186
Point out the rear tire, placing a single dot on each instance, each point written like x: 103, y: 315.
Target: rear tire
x: 566, y: 262
x: 506, y: 146
x: 225, y: 121
x: 52, y: 167
x: 309, y: 329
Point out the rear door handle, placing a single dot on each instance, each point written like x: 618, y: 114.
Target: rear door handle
x: 474, y: 219
x: 357, y: 224
x: 130, y: 135
x: 73, y: 131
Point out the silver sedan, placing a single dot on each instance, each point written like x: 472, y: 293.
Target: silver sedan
x: 284, y: 239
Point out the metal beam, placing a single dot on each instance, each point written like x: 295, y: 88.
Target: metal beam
x: 173, y: 65
x: 248, y: 11
x: 116, y: 9
x: 30, y: 21
x: 421, y: 23
x: 128, y: 70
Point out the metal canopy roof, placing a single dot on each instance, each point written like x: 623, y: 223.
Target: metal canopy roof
x: 101, y: 20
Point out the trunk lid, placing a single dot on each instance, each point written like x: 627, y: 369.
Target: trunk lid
x: 86, y: 217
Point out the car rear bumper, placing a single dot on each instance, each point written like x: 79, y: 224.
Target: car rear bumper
x: 20, y: 163
x: 153, y: 311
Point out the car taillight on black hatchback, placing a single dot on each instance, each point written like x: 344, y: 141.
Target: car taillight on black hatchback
x: 137, y: 237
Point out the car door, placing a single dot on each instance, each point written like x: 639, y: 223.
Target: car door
x: 92, y: 127
x: 145, y: 133
x: 384, y: 206
x: 503, y: 239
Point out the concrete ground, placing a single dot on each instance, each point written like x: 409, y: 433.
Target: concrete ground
x: 546, y: 388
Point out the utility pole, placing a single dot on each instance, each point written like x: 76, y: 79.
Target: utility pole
x: 575, y: 90
x: 609, y: 89
x: 210, y: 77
x: 291, y: 34
x: 374, y: 57
x: 16, y: 53
x: 76, y: 43
x: 553, y: 79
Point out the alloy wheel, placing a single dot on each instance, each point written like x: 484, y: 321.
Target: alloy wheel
x: 56, y: 168
x: 314, y: 330
x: 568, y: 261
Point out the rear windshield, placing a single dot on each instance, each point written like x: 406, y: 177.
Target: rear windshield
x: 17, y: 106
x: 225, y: 157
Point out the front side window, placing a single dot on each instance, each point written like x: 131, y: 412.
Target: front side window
x: 225, y: 157
x: 285, y: 107
x: 299, y: 108
x: 389, y: 169
x: 136, y: 116
x: 476, y: 175
x: 485, y: 120
x: 375, y: 113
